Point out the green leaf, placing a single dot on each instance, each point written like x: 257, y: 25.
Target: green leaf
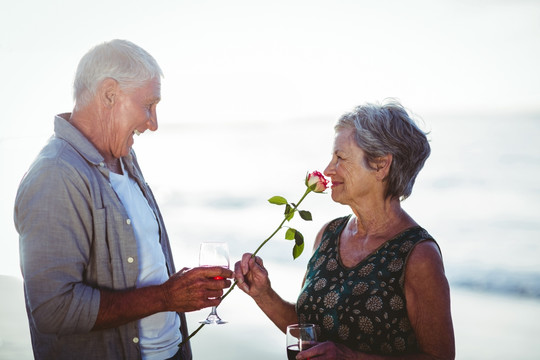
x: 306, y: 215
x: 289, y: 235
x: 290, y: 215
x: 297, y: 250
x: 277, y: 200
x: 289, y: 212
x: 298, y: 238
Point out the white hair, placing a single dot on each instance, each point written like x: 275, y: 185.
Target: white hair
x: 128, y: 64
x: 387, y: 128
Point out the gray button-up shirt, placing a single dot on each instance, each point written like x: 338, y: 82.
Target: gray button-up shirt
x: 76, y: 238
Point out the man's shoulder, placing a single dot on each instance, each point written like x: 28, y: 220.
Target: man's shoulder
x: 56, y: 163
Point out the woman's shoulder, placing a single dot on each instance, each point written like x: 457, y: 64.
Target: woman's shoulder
x: 337, y: 223
x: 414, y: 234
x: 332, y: 226
x: 424, y: 251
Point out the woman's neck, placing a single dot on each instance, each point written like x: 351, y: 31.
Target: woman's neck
x: 380, y: 220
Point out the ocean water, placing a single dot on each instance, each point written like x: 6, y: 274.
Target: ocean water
x: 478, y: 195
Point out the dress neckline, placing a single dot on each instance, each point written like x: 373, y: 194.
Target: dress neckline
x: 371, y: 254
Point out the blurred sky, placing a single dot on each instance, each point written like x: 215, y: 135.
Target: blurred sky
x: 273, y: 60
x: 268, y: 61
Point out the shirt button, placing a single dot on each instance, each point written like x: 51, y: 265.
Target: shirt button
x: 130, y: 259
x: 135, y: 340
x: 102, y: 164
x: 128, y: 221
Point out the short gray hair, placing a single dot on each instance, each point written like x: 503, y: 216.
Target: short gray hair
x: 120, y: 60
x: 387, y: 128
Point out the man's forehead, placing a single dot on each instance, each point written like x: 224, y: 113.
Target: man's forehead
x: 153, y: 89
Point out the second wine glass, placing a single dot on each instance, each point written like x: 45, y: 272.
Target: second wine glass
x: 300, y: 337
x: 214, y: 254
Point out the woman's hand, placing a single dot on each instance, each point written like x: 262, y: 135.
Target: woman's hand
x: 328, y: 350
x: 251, y: 276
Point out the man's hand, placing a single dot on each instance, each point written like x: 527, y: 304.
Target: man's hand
x: 195, y: 289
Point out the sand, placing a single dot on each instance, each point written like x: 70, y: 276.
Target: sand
x: 14, y: 334
x: 487, y: 326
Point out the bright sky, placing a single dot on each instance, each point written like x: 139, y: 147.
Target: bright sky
x: 281, y: 59
x: 272, y: 61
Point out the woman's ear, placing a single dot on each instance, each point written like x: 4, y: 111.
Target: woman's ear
x: 382, y: 166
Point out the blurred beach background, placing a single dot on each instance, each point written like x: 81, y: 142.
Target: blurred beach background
x: 251, y: 92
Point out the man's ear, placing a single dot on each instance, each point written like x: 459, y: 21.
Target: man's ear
x: 382, y: 166
x: 108, y: 92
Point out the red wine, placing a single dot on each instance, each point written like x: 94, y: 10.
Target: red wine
x: 292, y: 351
x: 216, y: 277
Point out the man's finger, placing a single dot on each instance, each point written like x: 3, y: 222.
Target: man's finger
x: 217, y: 271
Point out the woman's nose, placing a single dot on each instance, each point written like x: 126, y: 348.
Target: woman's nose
x: 329, y: 169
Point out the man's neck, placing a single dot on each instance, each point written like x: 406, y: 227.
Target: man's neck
x: 92, y: 124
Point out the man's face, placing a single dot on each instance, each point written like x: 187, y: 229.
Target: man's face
x: 134, y: 112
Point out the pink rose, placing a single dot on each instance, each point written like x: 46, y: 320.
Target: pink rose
x: 316, y: 182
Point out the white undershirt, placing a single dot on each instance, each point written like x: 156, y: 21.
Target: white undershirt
x: 159, y: 334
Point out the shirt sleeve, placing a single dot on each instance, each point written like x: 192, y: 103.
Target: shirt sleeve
x: 53, y: 215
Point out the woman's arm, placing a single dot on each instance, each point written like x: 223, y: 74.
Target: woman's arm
x: 252, y: 278
x: 428, y: 301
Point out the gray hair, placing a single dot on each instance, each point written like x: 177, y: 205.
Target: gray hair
x: 387, y: 128
x: 120, y: 60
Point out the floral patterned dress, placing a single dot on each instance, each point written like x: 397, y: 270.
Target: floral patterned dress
x: 363, y: 307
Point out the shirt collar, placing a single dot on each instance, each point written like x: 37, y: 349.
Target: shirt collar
x: 69, y: 133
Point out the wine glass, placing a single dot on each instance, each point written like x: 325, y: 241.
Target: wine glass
x: 214, y: 254
x: 300, y: 337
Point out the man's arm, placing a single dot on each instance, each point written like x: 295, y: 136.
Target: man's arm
x: 185, y: 291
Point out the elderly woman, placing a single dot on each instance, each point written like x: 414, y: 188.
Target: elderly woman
x: 375, y: 285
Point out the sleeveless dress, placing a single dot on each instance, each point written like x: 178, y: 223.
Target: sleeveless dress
x: 362, y: 307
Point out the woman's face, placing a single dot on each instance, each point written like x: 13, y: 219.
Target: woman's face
x: 351, y: 178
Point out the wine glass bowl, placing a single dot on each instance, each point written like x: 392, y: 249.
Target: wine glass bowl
x: 300, y: 337
x: 214, y: 254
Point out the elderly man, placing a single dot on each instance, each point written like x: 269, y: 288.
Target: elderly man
x: 99, y: 277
